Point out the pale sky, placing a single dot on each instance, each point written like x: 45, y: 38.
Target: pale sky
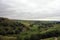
x: 30, y: 9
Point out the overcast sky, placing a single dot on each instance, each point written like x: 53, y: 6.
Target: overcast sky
x: 30, y: 9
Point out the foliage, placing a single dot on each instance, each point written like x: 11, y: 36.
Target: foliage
x: 29, y: 30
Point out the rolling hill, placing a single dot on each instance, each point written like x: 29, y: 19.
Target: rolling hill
x: 29, y: 30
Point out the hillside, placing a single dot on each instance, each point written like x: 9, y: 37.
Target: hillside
x: 29, y: 30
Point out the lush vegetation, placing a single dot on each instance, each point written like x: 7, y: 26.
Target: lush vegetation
x: 28, y: 30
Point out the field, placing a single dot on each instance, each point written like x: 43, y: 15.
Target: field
x: 29, y: 30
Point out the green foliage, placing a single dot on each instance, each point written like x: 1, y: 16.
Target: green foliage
x: 29, y: 30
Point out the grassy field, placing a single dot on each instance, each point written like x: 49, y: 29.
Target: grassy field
x: 7, y: 38
x: 29, y: 30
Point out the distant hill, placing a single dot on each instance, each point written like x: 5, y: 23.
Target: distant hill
x: 27, y: 29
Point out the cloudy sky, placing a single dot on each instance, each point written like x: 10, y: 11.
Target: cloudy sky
x: 30, y: 9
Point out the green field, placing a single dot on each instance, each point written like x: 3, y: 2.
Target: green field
x: 29, y: 30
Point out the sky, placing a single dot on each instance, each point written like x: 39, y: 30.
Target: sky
x: 30, y: 9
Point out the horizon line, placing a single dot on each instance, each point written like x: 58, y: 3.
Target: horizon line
x: 42, y: 19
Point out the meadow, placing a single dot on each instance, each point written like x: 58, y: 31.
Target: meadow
x: 29, y: 30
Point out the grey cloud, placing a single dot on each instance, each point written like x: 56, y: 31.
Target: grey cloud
x: 22, y: 10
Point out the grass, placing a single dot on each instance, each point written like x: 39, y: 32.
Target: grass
x: 29, y: 28
x: 7, y: 38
